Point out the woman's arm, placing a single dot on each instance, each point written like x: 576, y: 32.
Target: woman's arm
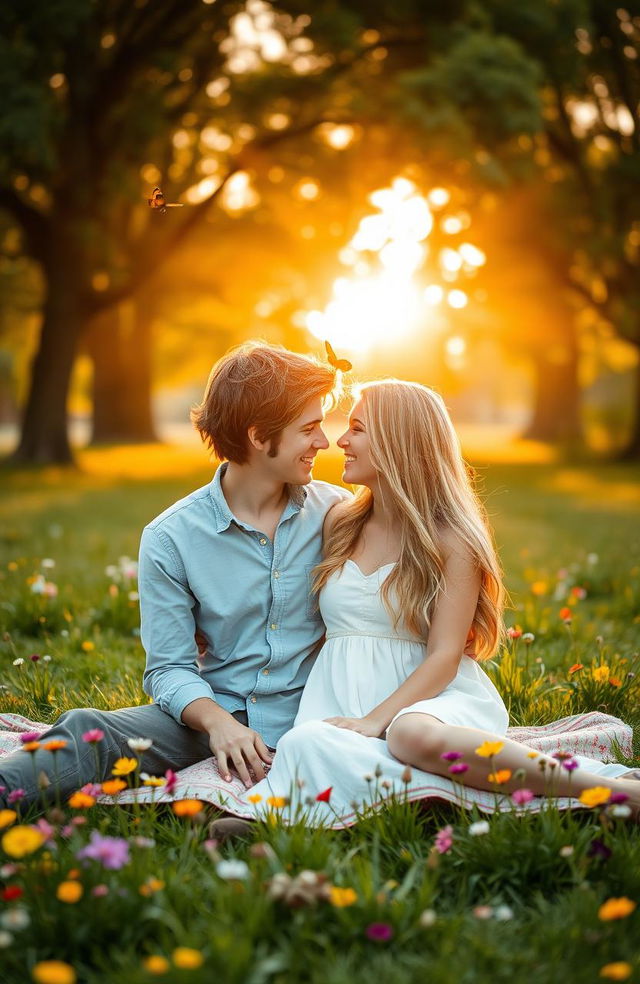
x: 450, y: 625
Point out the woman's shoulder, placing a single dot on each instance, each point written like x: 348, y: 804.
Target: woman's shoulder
x: 337, y: 510
x: 450, y: 543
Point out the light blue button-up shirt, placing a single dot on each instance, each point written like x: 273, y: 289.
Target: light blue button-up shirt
x: 201, y: 567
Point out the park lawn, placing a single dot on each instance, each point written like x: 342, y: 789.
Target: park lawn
x: 522, y: 900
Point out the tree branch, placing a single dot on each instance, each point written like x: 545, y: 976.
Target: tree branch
x: 33, y: 223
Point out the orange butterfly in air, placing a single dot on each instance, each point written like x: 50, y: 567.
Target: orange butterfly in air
x: 157, y: 200
x: 337, y: 363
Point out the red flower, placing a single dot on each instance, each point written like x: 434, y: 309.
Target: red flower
x: 11, y: 893
x: 565, y: 614
x: 325, y: 796
x: 514, y: 632
x: 576, y: 667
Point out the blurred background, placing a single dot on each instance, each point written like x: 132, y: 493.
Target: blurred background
x: 448, y: 193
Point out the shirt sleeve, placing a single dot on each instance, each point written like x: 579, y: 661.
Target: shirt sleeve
x: 167, y: 627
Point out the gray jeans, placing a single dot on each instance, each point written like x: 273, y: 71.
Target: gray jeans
x: 174, y: 747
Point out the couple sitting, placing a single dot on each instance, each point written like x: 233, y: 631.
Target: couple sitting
x: 341, y: 629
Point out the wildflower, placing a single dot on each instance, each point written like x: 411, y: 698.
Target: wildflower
x: 514, y: 632
x: 407, y: 775
x: 342, y: 897
x: 144, y: 842
x: 255, y: 798
x: 111, y: 852
x: 53, y: 972
x: 113, y: 786
x: 379, y: 932
x: 148, y: 780
x: 621, y: 811
x: 99, y: 891
x: 451, y: 756
x: 187, y: 959
x: 539, y: 588
x: 172, y: 781
x: 566, y: 851
x: 324, y: 796
x: 616, y: 909
x: 69, y: 891
x: 6, y: 939
x: 16, y: 795
x: 489, y: 748
x: 619, y: 970
x: 93, y: 736
x: 30, y: 746
x: 598, y: 849
x: 277, y: 802
x: 500, y: 777
x: 187, y: 807
x: 7, y: 817
x: 20, y: 841
x: 151, y: 886
x: 123, y: 766
x: 618, y: 798
x: 596, y: 796
x: 81, y: 801
x: 575, y: 668
x: 503, y: 913
x: 578, y: 593
x: 528, y: 638
x: 444, y: 839
x: 479, y: 828
x: 232, y: 870
x: 55, y: 745
x: 28, y: 736
x: 600, y: 673
x: 458, y: 768
x: 139, y: 744
x: 566, y: 615
x: 18, y: 662
x: 88, y: 646
x: 16, y: 919
x: 483, y: 911
x: 532, y: 755
x: 614, y: 682
x: 48, y: 563
x: 521, y: 796
x: 156, y: 964
x: 46, y: 658
x: 427, y: 918
x: 11, y: 893
x: 569, y: 765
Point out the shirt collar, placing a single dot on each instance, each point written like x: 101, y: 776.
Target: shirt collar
x: 224, y: 516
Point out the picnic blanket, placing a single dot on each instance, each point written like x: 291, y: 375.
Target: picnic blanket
x: 592, y: 736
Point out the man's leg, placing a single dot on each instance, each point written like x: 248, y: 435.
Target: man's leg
x: 77, y: 763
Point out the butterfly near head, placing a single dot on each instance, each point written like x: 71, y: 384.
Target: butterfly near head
x: 343, y: 364
x: 159, y: 202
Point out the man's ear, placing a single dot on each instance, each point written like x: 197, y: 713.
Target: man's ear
x: 254, y: 440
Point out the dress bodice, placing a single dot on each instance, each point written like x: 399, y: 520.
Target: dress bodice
x: 351, y: 604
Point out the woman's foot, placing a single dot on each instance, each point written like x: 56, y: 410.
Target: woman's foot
x: 633, y: 774
x: 231, y: 827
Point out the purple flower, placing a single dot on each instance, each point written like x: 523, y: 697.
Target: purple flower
x: 444, y: 839
x: 451, y: 756
x: 28, y: 736
x: 111, y: 852
x: 618, y: 798
x: 598, y: 849
x: 379, y: 932
x: 521, y: 796
x: 458, y: 767
x: 569, y: 764
x: 172, y: 781
x: 16, y: 795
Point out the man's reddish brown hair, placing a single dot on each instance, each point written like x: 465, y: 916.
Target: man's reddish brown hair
x: 257, y: 385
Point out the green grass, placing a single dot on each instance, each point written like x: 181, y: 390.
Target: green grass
x: 557, y: 529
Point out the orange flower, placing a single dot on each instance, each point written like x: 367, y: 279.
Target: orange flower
x: 55, y: 745
x: 620, y: 970
x: 113, y: 786
x: 7, y: 817
x: 53, y: 972
x: 342, y: 897
x: 186, y: 958
x: 123, y: 766
x: 31, y: 746
x: 254, y: 798
x: 80, y: 800
x: 69, y: 891
x: 616, y: 909
x: 539, y: 587
x: 500, y: 777
x: 575, y: 668
x: 156, y: 964
x: 596, y: 796
x: 565, y: 614
x: 151, y: 886
x: 187, y: 808
x: 614, y: 682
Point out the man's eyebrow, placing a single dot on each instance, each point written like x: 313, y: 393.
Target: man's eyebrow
x: 311, y: 423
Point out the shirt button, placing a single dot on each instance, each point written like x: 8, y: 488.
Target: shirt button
x: 253, y: 700
x: 265, y: 672
x: 262, y: 541
x: 276, y: 574
x: 273, y: 626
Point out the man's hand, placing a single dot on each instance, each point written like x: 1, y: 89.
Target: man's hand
x: 237, y: 747
x: 364, y: 726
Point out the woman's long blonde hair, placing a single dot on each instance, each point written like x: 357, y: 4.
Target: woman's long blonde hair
x: 415, y: 449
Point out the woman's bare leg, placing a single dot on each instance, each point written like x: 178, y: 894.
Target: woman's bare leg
x: 420, y: 740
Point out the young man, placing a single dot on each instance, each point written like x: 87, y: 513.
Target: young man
x: 231, y: 562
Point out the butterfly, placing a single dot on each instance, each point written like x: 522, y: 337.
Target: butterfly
x: 157, y: 201
x: 337, y: 363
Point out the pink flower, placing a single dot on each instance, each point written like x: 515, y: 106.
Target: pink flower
x: 172, y: 781
x: 451, y: 756
x: 16, y: 795
x: 444, y: 839
x: 569, y: 764
x: 522, y: 796
x: 514, y: 632
x: 45, y: 828
x: 28, y: 736
x: 111, y: 852
x: 93, y: 736
x: 379, y: 932
x: 99, y: 891
x: 91, y: 788
x: 458, y: 767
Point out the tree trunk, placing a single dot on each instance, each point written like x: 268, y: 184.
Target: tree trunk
x: 556, y: 404
x: 120, y: 346
x: 631, y: 452
x: 44, y: 436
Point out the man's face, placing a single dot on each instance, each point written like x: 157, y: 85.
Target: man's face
x: 299, y: 443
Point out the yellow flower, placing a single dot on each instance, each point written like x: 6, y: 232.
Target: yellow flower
x: 88, y: 646
x: 80, y: 800
x: 155, y: 964
x: 341, y: 897
x: 153, y: 781
x: 123, y: 766
x: 69, y: 891
x: 595, y: 796
x: 254, y: 798
x: 151, y: 886
x: 21, y: 840
x: 277, y: 802
x: 186, y: 807
x: 616, y: 909
x: 7, y: 817
x: 600, y: 673
x: 499, y: 777
x: 532, y: 755
x: 113, y: 786
x: 618, y: 971
x: 53, y: 972
x: 489, y: 748
x: 187, y: 959
x: 539, y: 587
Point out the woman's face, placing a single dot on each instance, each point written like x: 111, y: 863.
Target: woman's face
x: 358, y: 468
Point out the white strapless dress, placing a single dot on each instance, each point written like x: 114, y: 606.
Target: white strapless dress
x: 363, y: 660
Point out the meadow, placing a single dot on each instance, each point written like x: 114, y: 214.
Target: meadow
x: 409, y: 892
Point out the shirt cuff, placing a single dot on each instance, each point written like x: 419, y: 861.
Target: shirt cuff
x: 186, y: 695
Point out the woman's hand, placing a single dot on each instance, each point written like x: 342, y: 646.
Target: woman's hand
x: 364, y: 726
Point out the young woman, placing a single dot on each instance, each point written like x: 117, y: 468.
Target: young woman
x: 411, y: 594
